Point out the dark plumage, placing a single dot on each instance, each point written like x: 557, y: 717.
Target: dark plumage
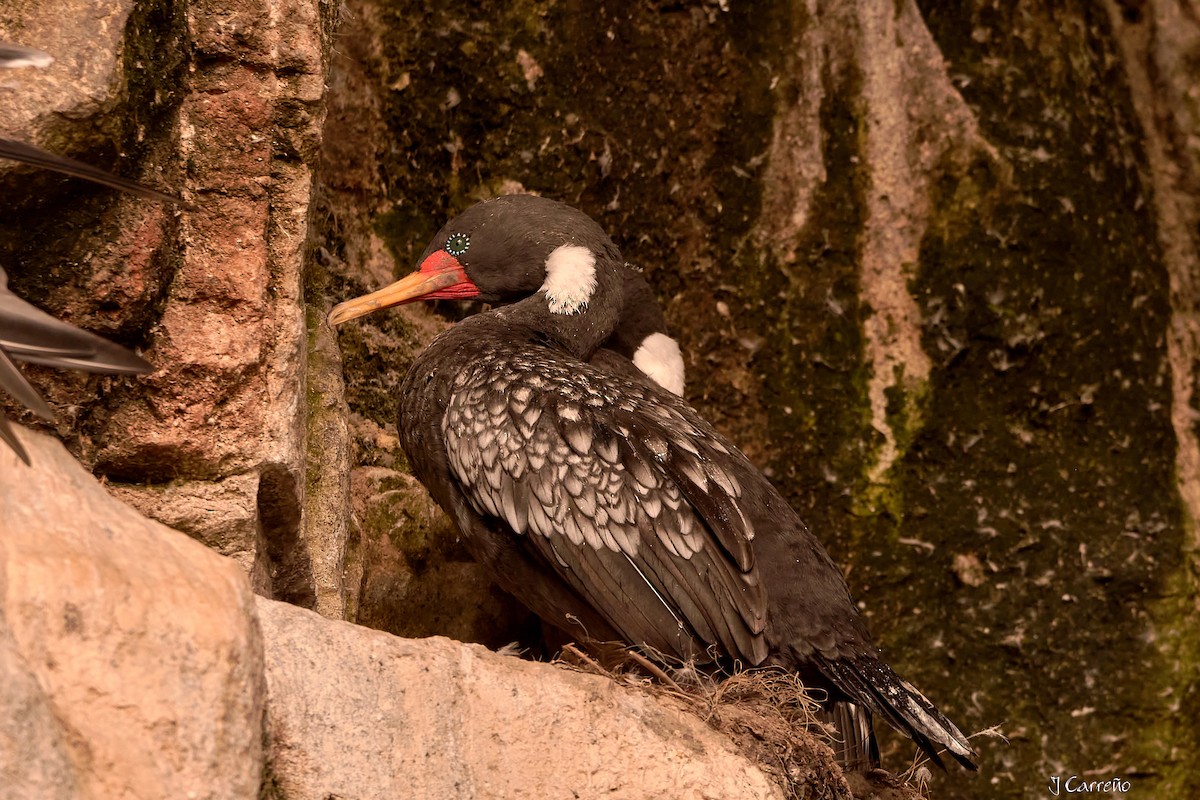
x: 14, y: 55
x: 641, y: 342
x: 27, y: 334
x: 35, y: 156
x: 17, y: 55
x: 603, y: 502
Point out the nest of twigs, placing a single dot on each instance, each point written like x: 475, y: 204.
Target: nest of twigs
x: 768, y: 713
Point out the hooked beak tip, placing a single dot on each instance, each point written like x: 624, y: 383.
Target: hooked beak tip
x: 422, y: 284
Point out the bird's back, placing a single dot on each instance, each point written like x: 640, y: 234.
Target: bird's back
x: 596, y: 496
x: 733, y: 515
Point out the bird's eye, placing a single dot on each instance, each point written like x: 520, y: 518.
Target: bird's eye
x: 457, y: 244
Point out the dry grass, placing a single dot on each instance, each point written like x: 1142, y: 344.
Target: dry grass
x: 768, y: 713
x: 917, y: 775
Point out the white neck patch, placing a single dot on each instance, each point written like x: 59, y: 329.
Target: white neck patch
x: 660, y: 359
x: 570, y: 278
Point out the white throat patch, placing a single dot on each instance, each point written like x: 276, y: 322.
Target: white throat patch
x: 660, y: 359
x: 570, y: 278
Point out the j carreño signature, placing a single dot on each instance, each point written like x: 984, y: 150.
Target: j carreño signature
x: 1077, y: 785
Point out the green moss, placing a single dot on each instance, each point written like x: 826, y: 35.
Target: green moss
x: 1169, y: 740
x: 813, y: 361
x: 1047, y: 449
x: 907, y: 408
x: 1040, y: 447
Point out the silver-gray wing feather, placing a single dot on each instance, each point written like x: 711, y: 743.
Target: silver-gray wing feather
x: 621, y: 487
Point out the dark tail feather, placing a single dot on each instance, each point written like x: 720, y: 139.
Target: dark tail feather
x: 9, y: 436
x: 13, y: 55
x: 854, y: 742
x: 14, y: 383
x: 28, y: 154
x: 875, y: 685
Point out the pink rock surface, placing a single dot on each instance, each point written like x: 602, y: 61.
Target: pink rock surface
x: 131, y: 654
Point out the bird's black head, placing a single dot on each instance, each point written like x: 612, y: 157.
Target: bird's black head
x: 501, y: 251
x: 509, y: 245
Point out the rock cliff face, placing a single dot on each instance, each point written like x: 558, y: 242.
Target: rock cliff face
x: 136, y: 662
x: 933, y: 268
x: 133, y: 656
x: 223, y: 102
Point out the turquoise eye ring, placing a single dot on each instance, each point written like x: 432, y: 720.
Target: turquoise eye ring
x: 457, y: 244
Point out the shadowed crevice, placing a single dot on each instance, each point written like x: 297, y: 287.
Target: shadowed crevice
x: 279, y: 515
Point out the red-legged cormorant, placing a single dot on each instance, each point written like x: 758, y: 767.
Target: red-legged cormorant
x: 600, y: 500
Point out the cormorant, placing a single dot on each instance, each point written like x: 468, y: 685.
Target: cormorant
x: 602, y: 501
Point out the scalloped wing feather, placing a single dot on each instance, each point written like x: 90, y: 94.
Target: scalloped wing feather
x: 624, y: 495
